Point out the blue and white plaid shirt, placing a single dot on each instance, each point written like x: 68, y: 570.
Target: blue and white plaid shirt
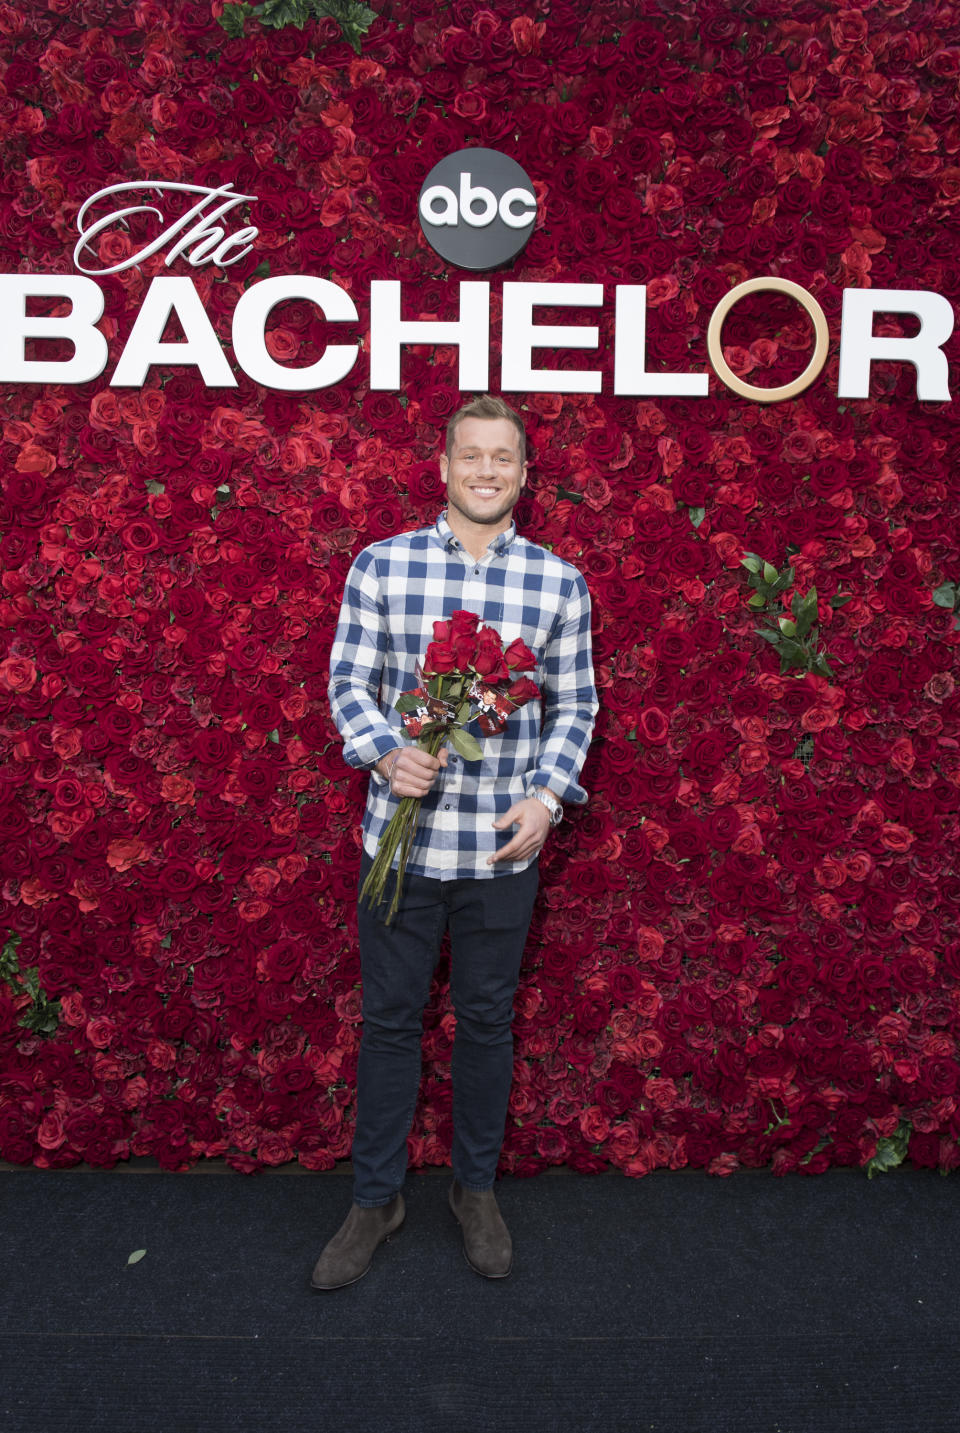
x: 395, y: 590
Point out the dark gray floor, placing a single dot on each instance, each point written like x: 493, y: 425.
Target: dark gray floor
x: 674, y: 1304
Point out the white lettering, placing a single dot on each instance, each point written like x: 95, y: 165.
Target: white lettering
x: 448, y: 214
x: 522, y: 218
x: 242, y: 239
x: 249, y: 319
x: 479, y: 195
x: 630, y: 374
x: 470, y: 333
x: 89, y: 357
x: 208, y: 239
x: 859, y: 347
x: 521, y: 336
x: 144, y: 348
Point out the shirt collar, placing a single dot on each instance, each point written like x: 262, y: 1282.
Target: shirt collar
x: 446, y: 537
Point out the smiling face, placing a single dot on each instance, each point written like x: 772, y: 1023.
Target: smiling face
x: 484, y: 473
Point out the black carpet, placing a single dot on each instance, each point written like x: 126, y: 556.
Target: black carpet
x: 677, y: 1303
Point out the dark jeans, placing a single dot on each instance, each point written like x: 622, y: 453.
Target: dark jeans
x: 488, y: 921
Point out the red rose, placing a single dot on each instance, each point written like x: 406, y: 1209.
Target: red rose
x: 519, y: 657
x: 440, y: 657
x: 552, y: 1143
x: 489, y: 660
x: 522, y: 691
x: 464, y: 651
x: 489, y: 663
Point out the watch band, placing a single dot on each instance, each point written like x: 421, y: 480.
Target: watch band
x: 554, y: 806
x: 385, y: 778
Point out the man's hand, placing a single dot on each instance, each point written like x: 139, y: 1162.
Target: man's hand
x: 532, y: 819
x: 413, y: 772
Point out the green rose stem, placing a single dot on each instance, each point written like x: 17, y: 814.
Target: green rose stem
x: 399, y: 833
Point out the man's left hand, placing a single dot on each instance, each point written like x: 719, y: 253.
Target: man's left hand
x: 533, y: 822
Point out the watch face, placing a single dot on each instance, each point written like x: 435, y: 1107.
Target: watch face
x: 553, y: 806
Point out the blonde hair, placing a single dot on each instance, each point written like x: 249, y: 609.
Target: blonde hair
x: 487, y: 407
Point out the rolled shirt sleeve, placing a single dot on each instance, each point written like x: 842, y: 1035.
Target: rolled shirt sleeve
x: 569, y: 699
x: 356, y: 664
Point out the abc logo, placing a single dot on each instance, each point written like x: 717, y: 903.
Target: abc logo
x: 477, y: 208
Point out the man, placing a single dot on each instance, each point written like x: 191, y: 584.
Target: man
x: 473, y: 866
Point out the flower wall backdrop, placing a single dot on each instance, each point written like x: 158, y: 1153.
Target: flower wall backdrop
x: 746, y: 947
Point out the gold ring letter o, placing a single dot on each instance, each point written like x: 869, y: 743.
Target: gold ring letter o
x: 786, y: 390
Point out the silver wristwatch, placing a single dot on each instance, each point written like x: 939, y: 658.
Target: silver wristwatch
x: 554, y: 806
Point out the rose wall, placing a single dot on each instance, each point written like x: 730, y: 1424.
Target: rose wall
x: 746, y: 948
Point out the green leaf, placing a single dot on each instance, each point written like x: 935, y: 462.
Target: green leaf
x: 836, y: 602
x: 792, y: 653
x: 274, y: 735
x: 946, y: 595
x: 751, y: 562
x: 232, y: 20
x: 466, y: 744
x: 805, y: 611
x: 136, y: 1256
x: 275, y: 14
x: 756, y: 600
x: 354, y: 20
x: 407, y: 702
x: 891, y: 1150
x: 697, y: 516
x: 788, y: 628
x: 154, y: 487
x: 770, y: 573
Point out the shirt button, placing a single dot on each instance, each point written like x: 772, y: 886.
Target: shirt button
x: 447, y: 806
x: 476, y: 572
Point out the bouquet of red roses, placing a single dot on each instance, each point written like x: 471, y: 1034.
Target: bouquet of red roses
x: 466, y: 675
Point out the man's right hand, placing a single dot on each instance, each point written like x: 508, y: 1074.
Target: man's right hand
x: 414, y: 772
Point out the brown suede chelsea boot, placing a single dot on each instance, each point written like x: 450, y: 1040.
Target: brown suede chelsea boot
x: 349, y: 1253
x: 487, y: 1246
